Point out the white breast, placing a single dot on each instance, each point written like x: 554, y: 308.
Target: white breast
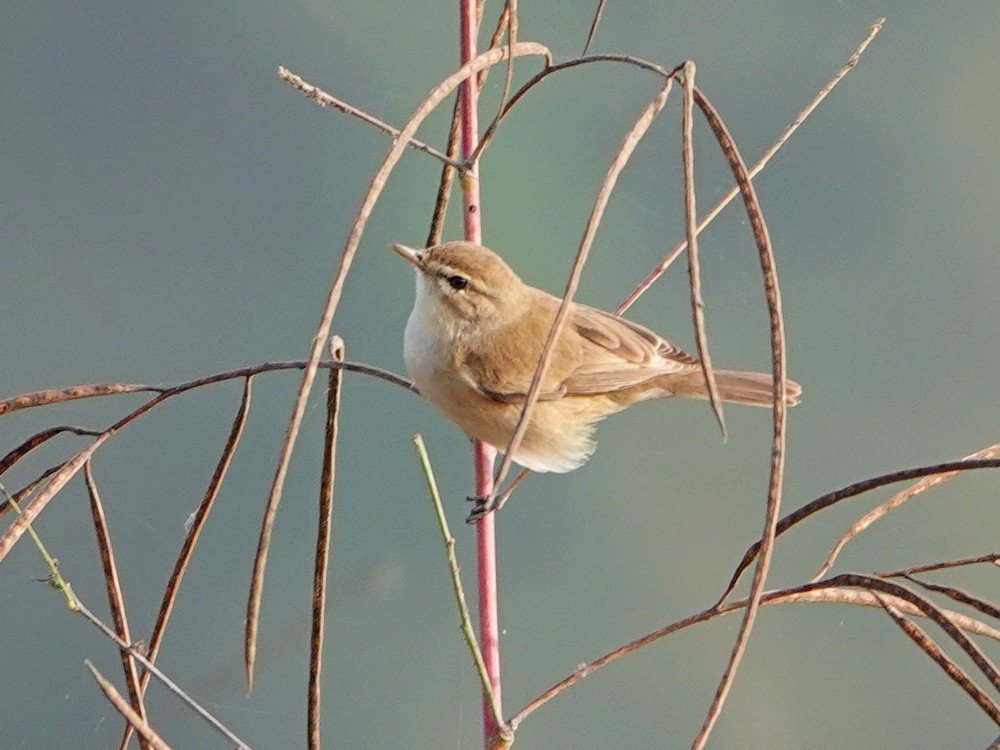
x: 426, y: 340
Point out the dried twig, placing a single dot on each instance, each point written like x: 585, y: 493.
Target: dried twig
x: 172, y: 686
x: 593, y: 25
x: 694, y: 268
x: 897, y: 500
x: 853, y: 490
x: 194, y: 529
x: 829, y: 591
x: 958, y: 595
x: 324, y: 99
x: 993, y: 558
x: 55, y: 483
x: 58, y: 395
x: 779, y: 372
x: 955, y: 672
x: 39, y: 439
x: 116, y: 599
x: 134, y: 720
x: 321, y: 564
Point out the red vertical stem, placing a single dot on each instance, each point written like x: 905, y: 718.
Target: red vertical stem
x: 484, y: 455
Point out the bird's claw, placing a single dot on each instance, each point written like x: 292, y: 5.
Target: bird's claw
x: 484, y: 504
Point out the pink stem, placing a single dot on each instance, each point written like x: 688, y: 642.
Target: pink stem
x: 484, y: 455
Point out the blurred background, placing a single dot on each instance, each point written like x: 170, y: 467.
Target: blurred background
x: 170, y: 209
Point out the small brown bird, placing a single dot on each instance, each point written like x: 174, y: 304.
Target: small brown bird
x: 477, y: 331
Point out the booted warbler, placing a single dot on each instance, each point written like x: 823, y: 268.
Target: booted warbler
x: 477, y: 331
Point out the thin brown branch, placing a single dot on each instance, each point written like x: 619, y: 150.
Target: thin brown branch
x: 55, y: 483
x: 928, y: 608
x: 821, y: 592
x: 992, y: 558
x: 549, y: 70
x: 195, y: 527
x: 446, y: 181
x: 169, y: 684
x: 68, y: 470
x: 625, y: 151
x: 42, y: 398
x: 321, y: 565
x: 593, y: 25
x: 58, y: 395
x: 958, y: 595
x: 483, y: 61
x: 510, y: 12
x: 954, y: 672
x: 758, y: 167
x: 138, y: 722
x: 38, y: 439
x: 116, y: 599
x: 694, y: 267
x: 779, y: 372
x: 22, y: 493
x: 896, y: 501
x: 853, y: 490
x: 324, y: 99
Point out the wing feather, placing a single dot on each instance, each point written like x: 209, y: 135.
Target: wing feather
x: 596, y: 353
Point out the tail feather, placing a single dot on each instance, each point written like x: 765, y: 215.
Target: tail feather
x: 755, y: 388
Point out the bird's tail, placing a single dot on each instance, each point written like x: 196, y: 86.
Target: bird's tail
x: 755, y: 388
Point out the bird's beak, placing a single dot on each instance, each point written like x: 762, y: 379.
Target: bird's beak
x: 408, y: 253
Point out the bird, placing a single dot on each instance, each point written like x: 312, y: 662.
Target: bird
x: 475, y: 336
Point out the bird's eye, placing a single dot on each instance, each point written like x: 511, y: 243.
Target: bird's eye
x: 458, y: 283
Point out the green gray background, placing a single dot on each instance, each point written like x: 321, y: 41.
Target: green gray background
x: 170, y: 209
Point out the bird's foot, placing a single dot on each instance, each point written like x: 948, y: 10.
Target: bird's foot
x: 483, y: 504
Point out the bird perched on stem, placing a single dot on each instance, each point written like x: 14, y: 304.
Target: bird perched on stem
x: 476, y: 333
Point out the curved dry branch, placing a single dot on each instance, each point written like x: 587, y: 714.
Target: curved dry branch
x: 928, y: 609
x: 39, y: 439
x: 958, y: 595
x: 173, y: 687
x: 779, y: 373
x: 59, y: 476
x: 853, y: 490
x: 821, y: 591
x: 694, y: 267
x: 135, y: 721
x: 324, y: 99
x: 896, y: 501
x: 954, y: 672
x: 116, y: 599
x: 594, y: 23
x: 194, y: 529
x: 321, y: 558
x: 993, y: 558
x: 58, y: 395
x: 551, y: 69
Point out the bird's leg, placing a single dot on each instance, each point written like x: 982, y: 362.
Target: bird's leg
x: 485, y: 504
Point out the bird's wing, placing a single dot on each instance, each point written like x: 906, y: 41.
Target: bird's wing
x: 617, y: 354
x: 596, y: 353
